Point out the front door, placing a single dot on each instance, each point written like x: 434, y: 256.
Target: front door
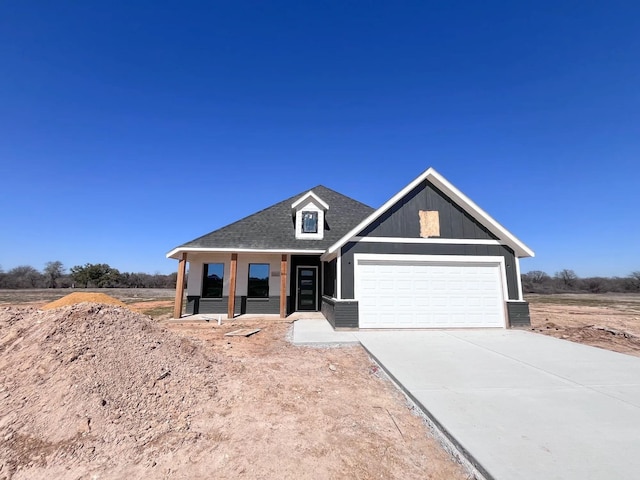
x: 307, y: 288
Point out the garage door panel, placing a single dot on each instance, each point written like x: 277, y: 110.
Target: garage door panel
x: 413, y: 294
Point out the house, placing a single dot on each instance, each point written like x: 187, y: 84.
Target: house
x: 428, y: 258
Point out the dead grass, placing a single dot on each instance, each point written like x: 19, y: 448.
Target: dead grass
x: 609, y: 321
x: 39, y: 297
x: 586, y: 299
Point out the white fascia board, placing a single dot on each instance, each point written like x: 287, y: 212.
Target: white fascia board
x: 479, y: 214
x: 458, y: 197
x: 308, y: 195
x: 327, y: 257
x: 176, y: 251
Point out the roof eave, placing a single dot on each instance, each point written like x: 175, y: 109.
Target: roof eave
x: 177, y: 252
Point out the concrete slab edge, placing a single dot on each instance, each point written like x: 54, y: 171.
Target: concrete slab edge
x: 465, y: 458
x: 325, y: 345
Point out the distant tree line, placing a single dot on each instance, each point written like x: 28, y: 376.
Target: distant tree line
x: 567, y: 281
x: 101, y: 275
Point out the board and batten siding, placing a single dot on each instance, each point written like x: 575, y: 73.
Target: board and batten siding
x: 329, y: 283
x: 351, y: 248
x: 403, y: 220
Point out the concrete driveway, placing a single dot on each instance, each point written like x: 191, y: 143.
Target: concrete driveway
x: 519, y: 405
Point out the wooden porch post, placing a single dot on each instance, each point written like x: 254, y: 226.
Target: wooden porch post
x: 283, y: 287
x: 182, y: 266
x: 232, y: 285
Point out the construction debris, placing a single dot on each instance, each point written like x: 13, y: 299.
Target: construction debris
x: 243, y: 332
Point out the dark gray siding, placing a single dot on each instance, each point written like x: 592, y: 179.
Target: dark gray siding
x: 518, y: 313
x: 214, y: 305
x: 269, y: 305
x: 193, y: 304
x: 243, y: 305
x: 426, y: 249
x: 402, y: 220
x: 330, y: 271
x: 340, y: 314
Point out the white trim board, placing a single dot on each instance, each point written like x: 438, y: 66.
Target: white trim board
x: 310, y: 194
x: 520, y: 249
x: 178, y: 250
x: 451, y: 241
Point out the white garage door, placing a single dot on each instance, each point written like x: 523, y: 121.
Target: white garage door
x: 429, y: 294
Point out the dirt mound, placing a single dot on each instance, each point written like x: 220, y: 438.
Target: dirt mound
x: 79, y: 297
x: 87, y: 389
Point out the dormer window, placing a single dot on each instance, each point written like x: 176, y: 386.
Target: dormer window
x: 308, y: 214
x: 309, y: 222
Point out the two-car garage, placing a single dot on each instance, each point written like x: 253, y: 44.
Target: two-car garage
x: 408, y: 291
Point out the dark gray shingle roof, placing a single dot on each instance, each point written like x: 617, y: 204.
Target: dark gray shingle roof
x: 273, y: 227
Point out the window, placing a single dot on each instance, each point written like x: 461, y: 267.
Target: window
x: 213, y: 280
x: 258, y: 286
x: 309, y: 222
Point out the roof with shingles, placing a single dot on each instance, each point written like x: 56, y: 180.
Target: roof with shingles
x: 274, y: 227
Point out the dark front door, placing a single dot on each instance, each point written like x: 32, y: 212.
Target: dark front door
x: 307, y: 288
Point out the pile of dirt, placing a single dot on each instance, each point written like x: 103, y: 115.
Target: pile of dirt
x: 613, y: 327
x: 101, y: 392
x: 87, y: 389
x: 79, y: 297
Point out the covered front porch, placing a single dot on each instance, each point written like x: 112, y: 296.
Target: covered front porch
x: 247, y: 283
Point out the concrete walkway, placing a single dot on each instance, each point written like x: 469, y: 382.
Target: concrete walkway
x: 519, y: 405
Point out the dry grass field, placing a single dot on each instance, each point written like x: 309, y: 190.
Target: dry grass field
x: 155, y: 302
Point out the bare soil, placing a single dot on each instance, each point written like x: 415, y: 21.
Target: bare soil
x: 156, y: 302
x: 610, y: 321
x: 37, y: 297
x: 101, y: 392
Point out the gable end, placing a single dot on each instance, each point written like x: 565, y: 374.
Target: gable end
x: 402, y: 220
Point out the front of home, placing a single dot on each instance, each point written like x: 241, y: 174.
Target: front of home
x: 428, y: 258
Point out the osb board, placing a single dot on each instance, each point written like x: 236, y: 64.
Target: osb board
x: 429, y: 223
x: 243, y: 332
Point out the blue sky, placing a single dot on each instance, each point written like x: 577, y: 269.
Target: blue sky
x: 127, y: 128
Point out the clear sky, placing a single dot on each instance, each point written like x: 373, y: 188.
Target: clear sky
x: 128, y: 128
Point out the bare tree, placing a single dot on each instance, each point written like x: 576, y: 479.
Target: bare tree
x: 537, y: 276
x: 52, y: 272
x: 24, y: 276
x: 634, y: 280
x: 567, y: 278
